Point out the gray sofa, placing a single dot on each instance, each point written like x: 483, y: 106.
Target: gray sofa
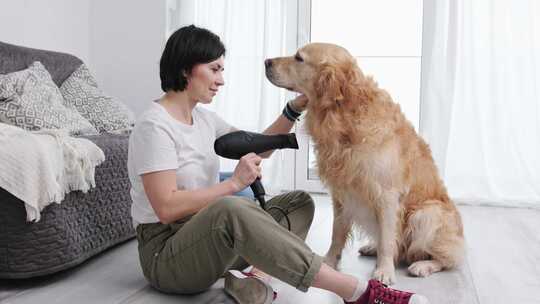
x: 83, y: 224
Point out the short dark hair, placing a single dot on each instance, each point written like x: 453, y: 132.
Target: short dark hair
x: 186, y: 47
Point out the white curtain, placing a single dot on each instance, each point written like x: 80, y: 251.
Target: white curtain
x: 480, y: 104
x: 252, y: 30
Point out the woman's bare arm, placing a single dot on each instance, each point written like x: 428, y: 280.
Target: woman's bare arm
x: 171, y: 204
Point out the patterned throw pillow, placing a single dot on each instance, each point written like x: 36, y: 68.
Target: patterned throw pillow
x: 107, y: 114
x: 29, y: 99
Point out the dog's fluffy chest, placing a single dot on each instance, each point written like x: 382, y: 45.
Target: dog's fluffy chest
x: 362, y: 216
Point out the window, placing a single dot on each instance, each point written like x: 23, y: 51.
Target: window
x: 386, y: 38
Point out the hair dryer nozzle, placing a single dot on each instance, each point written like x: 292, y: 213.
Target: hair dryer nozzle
x: 293, y: 143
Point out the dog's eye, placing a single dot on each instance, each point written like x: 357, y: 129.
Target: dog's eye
x: 298, y: 58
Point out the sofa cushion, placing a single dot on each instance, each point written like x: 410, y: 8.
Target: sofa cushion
x: 31, y: 100
x: 81, y: 92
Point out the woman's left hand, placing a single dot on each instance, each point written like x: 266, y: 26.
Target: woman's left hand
x: 299, y: 103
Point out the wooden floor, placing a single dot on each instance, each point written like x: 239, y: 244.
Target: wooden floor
x: 503, y: 266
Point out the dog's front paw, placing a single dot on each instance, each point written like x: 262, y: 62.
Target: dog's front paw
x: 424, y: 268
x: 387, y: 275
x: 332, y: 260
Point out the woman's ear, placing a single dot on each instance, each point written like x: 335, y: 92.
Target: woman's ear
x: 185, y: 73
x: 329, y: 85
x: 187, y: 76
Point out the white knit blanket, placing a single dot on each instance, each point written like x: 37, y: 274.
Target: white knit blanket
x: 40, y: 167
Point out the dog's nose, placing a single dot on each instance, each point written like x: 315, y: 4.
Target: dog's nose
x: 268, y: 63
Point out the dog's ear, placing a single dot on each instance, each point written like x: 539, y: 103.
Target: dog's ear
x: 329, y: 85
x: 358, y: 89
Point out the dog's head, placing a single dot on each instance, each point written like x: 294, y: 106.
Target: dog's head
x: 323, y: 72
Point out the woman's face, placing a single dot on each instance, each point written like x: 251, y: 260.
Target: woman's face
x: 205, y: 80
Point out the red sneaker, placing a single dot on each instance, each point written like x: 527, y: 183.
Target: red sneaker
x: 378, y: 293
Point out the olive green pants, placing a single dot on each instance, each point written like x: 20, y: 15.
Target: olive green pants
x: 190, y: 255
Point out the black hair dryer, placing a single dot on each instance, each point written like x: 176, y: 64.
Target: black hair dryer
x: 236, y: 144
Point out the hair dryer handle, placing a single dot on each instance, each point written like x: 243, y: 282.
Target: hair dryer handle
x: 258, y: 191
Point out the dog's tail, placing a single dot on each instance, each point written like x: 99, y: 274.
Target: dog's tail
x: 434, y: 233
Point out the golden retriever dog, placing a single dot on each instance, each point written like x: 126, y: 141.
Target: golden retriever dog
x: 380, y: 173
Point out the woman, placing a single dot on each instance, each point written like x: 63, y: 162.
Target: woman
x: 190, y: 230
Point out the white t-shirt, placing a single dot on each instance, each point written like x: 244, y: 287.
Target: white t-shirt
x: 160, y: 142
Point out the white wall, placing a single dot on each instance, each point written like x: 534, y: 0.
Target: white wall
x: 121, y: 41
x: 58, y: 25
x: 126, y: 41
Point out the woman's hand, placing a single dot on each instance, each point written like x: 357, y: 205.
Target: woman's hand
x: 299, y: 103
x: 246, y: 171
